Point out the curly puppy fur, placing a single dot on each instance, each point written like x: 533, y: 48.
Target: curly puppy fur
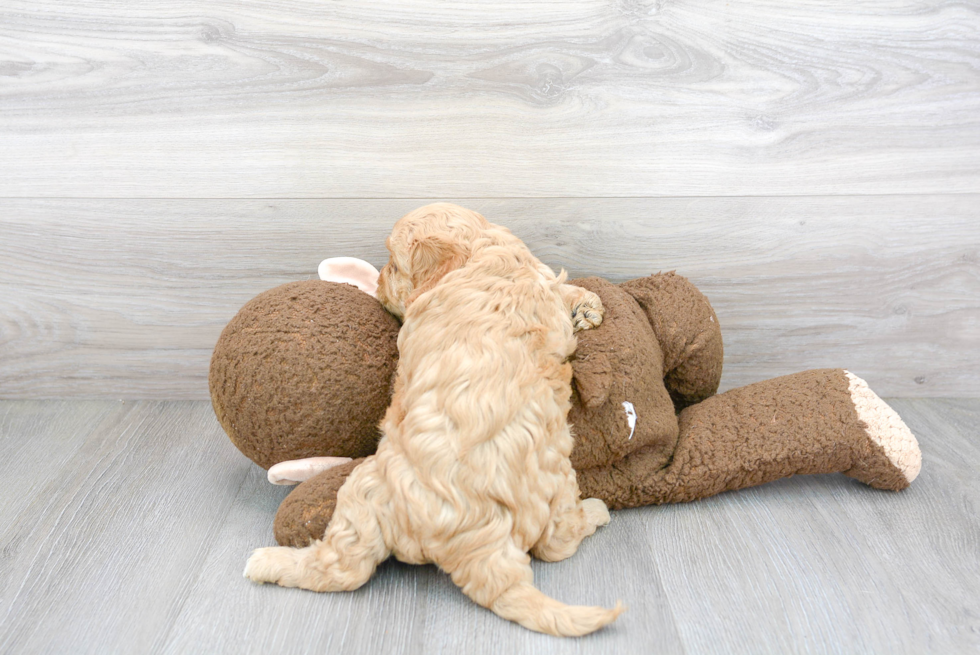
x: 473, y: 471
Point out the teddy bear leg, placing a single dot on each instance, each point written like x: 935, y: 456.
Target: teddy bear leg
x: 821, y: 421
x: 304, y: 515
x: 636, y: 480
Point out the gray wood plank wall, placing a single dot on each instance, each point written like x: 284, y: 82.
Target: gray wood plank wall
x: 813, y: 167
x: 260, y: 98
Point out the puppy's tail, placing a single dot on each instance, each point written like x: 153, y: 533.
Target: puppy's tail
x: 525, y: 604
x: 499, y: 577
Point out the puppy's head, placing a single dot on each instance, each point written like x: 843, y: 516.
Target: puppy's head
x: 425, y: 245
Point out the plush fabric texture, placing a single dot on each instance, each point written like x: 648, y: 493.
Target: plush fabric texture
x: 791, y: 425
x: 688, y: 332
x: 658, y: 348
x: 304, y: 515
x: 305, y: 370
x: 891, y: 439
x: 619, y: 362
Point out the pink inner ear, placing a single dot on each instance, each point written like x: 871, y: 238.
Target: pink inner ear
x: 350, y: 270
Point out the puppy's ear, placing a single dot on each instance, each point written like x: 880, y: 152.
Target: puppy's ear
x: 433, y: 257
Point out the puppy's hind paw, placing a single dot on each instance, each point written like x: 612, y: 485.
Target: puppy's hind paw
x: 587, y: 312
x: 272, y: 565
x: 596, y: 511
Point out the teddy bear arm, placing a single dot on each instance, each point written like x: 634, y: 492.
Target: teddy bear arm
x: 619, y: 402
x: 688, y: 331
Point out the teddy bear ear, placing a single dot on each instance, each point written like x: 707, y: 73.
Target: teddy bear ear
x: 350, y: 270
x: 593, y: 378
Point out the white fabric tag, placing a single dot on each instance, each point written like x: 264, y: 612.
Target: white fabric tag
x: 630, y: 417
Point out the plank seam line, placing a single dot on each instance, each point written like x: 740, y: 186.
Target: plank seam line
x: 396, y: 198
x: 165, y: 637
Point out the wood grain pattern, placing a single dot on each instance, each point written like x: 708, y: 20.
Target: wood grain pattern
x: 263, y: 98
x: 126, y: 298
x: 133, y: 536
x: 867, y: 572
x: 101, y: 556
x: 39, y: 440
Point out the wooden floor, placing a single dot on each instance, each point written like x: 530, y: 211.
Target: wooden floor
x: 126, y: 525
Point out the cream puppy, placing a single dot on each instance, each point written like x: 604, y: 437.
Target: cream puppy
x: 473, y: 471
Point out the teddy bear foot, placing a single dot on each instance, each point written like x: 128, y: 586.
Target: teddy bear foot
x: 891, y: 458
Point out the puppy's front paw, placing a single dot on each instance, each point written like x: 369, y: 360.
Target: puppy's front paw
x: 587, y: 312
x: 595, y: 511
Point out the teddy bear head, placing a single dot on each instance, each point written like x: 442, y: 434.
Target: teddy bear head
x: 307, y: 369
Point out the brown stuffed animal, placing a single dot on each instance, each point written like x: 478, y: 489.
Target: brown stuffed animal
x: 305, y: 370
x: 648, y: 426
